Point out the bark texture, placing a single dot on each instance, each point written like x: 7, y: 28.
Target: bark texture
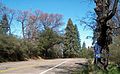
x: 104, y: 14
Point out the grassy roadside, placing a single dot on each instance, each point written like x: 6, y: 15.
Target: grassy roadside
x: 90, y: 68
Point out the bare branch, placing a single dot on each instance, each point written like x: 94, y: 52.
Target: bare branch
x: 113, y: 11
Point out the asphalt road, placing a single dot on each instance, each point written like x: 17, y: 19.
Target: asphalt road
x: 53, y: 66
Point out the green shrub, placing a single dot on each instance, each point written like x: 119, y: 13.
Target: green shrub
x: 47, y: 40
x: 89, y: 68
x: 8, y: 46
x: 12, y: 48
x: 86, y: 53
x: 115, y: 51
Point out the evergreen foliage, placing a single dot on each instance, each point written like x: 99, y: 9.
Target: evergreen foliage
x: 71, y: 40
x: 84, y: 45
x: 78, y: 41
x: 4, y: 27
x: 11, y: 48
x: 114, y: 50
x: 47, y: 39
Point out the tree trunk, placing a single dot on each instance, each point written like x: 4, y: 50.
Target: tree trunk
x: 104, y: 14
x: 23, y: 33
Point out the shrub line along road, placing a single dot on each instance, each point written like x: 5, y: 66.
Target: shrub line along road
x: 52, y: 66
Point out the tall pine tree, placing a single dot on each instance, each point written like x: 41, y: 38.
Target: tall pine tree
x: 4, y: 27
x: 78, y: 41
x: 84, y: 45
x: 71, y: 41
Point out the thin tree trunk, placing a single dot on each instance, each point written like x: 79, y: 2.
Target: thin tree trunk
x: 23, y: 33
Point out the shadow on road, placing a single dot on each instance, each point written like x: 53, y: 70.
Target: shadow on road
x: 61, y: 69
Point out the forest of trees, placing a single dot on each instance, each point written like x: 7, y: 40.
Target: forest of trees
x: 41, y: 36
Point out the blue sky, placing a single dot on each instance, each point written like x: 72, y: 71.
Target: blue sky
x: 74, y: 9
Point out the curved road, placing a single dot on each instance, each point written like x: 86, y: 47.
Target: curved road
x: 53, y: 66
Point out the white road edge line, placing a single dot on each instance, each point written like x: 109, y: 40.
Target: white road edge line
x: 53, y: 67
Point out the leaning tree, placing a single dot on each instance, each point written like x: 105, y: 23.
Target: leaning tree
x: 105, y: 10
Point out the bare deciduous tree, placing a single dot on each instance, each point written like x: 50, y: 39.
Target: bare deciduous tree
x: 22, y: 18
x: 51, y: 20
